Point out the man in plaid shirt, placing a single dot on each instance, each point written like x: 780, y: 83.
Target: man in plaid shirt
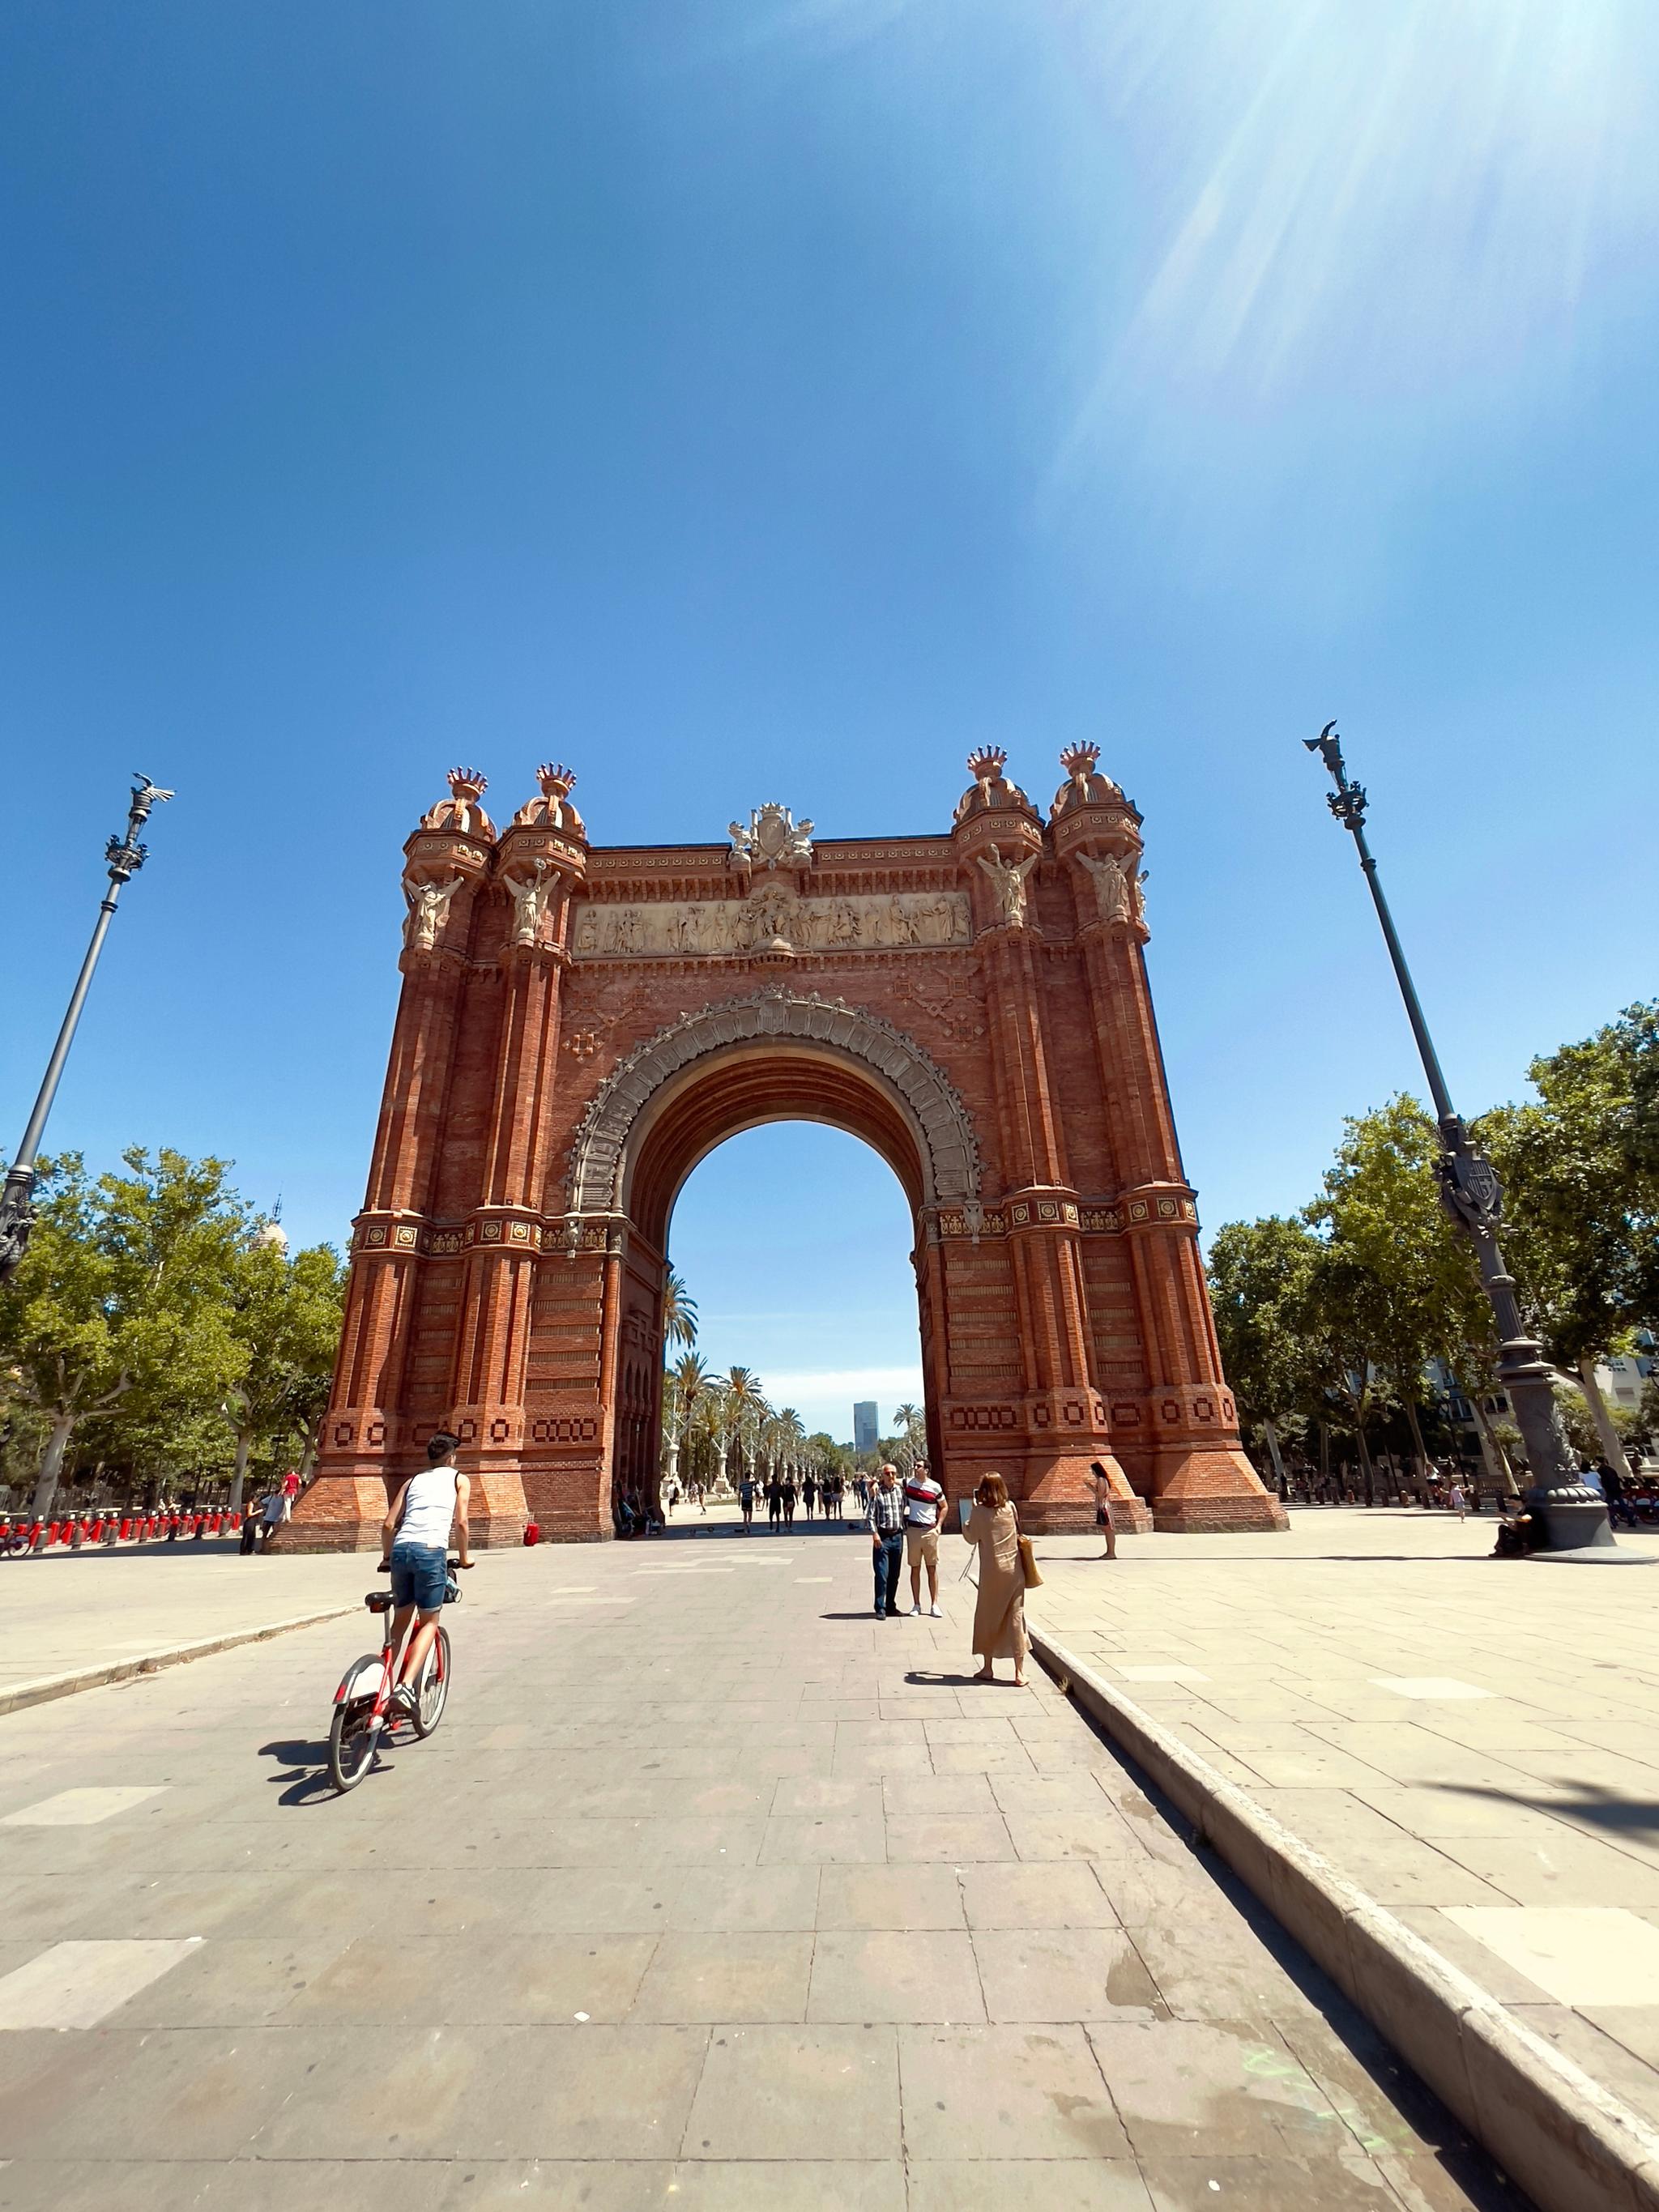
x: 887, y: 1540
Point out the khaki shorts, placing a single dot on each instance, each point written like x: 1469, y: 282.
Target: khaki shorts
x: 921, y: 1545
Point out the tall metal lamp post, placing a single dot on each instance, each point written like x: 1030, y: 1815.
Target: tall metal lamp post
x: 124, y: 856
x: 1573, y: 1515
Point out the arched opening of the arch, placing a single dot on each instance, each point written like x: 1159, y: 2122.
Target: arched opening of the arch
x: 796, y: 1241
x: 696, y: 1112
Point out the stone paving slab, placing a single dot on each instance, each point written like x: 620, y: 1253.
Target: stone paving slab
x: 1475, y: 1742
x: 69, y: 1614
x: 717, y: 1893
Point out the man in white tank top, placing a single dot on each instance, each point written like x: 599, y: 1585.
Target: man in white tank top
x: 414, y: 1540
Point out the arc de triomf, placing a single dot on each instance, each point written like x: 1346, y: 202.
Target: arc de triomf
x: 580, y: 1024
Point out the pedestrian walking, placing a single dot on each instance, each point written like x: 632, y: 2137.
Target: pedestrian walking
x: 1456, y: 1499
x: 271, y: 1515
x: 999, y: 1613
x: 923, y: 1501
x: 886, y: 1521
x: 1612, y: 1489
x: 1103, y: 1507
x: 774, y: 1503
x: 788, y: 1501
x: 746, y: 1499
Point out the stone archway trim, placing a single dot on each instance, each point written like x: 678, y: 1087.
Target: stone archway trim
x: 949, y: 1150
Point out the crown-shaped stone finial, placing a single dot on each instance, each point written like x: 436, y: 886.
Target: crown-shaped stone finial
x: 551, y: 809
x: 990, y: 788
x: 464, y: 809
x: 1085, y: 785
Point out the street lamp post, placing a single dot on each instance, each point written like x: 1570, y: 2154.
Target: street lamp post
x: 124, y: 856
x: 1574, y: 1515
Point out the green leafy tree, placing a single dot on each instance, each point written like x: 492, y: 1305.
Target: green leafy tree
x: 119, y: 1315
x: 1580, y: 1165
x: 1260, y: 1278
x: 1382, y: 1212
x: 286, y: 1313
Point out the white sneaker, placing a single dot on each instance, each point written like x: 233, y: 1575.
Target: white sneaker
x: 915, y: 1612
x: 935, y: 1613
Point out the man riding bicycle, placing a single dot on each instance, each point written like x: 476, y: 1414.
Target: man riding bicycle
x: 414, y: 1543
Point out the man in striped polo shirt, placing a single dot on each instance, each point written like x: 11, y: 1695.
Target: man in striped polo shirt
x: 923, y: 1501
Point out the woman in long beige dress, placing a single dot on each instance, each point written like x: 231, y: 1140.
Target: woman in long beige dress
x: 1000, y: 1615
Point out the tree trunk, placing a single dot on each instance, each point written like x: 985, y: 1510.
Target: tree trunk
x: 51, y: 1463
x: 1497, y: 1459
x: 1365, y: 1456
x: 238, y: 1475
x: 1415, y: 1427
x: 1612, y: 1451
x: 1272, y: 1435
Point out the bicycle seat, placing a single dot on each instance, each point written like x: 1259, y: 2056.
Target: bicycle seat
x: 379, y: 1600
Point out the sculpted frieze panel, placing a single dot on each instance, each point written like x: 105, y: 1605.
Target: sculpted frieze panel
x: 773, y: 919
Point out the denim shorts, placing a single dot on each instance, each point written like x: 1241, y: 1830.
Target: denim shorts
x: 417, y: 1576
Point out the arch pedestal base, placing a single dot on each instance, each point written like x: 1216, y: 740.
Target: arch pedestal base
x: 1211, y: 1491
x: 347, y: 1513
x: 337, y: 1513
x: 1062, y: 1501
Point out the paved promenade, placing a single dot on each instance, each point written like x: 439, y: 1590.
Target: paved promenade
x: 66, y: 1613
x: 1475, y: 1742
x: 712, y: 1891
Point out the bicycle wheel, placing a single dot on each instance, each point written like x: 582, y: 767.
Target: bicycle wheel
x: 351, y: 1735
x: 433, y: 1693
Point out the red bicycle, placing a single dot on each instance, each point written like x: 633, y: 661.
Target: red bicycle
x: 363, y: 1710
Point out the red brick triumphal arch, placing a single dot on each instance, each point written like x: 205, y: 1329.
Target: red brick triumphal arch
x: 580, y: 1024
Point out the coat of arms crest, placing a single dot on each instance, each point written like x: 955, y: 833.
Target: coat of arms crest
x: 773, y: 836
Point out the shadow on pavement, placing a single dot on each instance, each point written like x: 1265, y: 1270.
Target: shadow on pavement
x: 1595, y: 1808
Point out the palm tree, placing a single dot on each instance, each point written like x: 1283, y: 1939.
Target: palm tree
x: 684, y: 1383
x: 709, y: 1421
x: 679, y: 1310
x: 745, y: 1408
x: 910, y: 1425
x: 791, y: 1436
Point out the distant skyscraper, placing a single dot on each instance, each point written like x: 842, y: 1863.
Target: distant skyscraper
x: 866, y: 1426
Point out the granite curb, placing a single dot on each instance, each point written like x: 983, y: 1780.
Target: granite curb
x: 1572, y: 2144
x: 15, y: 1696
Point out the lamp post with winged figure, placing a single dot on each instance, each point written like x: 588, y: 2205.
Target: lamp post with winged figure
x: 1574, y: 1515
x: 124, y: 856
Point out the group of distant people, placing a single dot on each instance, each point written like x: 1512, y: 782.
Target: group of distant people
x: 781, y: 1494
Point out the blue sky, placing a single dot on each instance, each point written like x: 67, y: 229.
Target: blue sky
x: 744, y: 398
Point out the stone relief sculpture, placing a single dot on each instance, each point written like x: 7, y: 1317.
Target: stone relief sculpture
x: 428, y: 909
x: 1008, y: 881
x: 771, y: 919
x: 532, y: 896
